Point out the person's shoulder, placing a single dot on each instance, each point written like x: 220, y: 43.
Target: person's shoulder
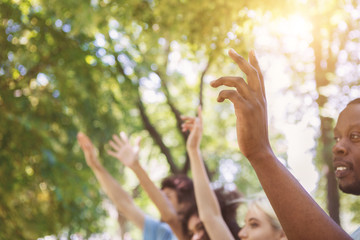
x: 356, y: 235
x: 156, y: 230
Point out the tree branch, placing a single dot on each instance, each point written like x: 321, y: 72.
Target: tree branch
x: 156, y: 137
x: 202, y: 80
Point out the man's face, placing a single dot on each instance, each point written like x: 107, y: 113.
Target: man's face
x: 347, y: 149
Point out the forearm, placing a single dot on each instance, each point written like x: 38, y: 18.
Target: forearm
x: 164, y: 206
x: 167, y: 211
x: 120, y: 198
x: 300, y: 216
x: 205, y: 196
x: 207, y: 203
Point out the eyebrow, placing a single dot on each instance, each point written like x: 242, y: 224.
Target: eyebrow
x: 355, y: 125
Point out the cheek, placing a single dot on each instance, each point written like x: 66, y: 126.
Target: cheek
x: 357, y: 164
x: 262, y: 234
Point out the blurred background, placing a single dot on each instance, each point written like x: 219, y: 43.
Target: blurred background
x: 105, y: 66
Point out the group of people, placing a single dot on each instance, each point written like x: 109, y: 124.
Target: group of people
x: 191, y: 209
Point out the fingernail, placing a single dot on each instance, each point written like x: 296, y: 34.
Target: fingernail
x: 232, y: 51
x: 253, y: 53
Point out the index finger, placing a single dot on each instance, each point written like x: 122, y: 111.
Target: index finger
x: 248, y: 69
x: 255, y: 63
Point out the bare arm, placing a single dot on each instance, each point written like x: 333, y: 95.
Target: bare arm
x: 207, y: 203
x: 122, y: 200
x: 128, y: 155
x: 300, y: 216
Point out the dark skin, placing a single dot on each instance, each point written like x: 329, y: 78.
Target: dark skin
x: 300, y: 216
x: 347, y: 149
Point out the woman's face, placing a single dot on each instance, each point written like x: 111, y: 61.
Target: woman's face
x: 196, y: 229
x: 172, y: 196
x: 258, y: 227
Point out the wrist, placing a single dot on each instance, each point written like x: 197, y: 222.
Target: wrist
x: 135, y: 166
x: 264, y: 155
x: 97, y: 167
x: 193, y: 148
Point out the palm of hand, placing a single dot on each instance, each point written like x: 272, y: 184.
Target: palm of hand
x: 88, y: 149
x: 91, y: 156
x: 251, y: 126
x: 127, y: 154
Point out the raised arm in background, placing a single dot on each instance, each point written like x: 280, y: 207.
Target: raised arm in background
x: 206, y: 201
x: 127, y: 154
x: 122, y: 200
x: 301, y: 217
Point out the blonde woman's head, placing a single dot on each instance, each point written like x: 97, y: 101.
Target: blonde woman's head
x: 261, y: 222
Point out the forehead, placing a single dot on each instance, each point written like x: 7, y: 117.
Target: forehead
x: 169, y: 191
x: 255, y: 213
x: 348, y: 118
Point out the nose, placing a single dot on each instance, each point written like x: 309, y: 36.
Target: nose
x: 196, y: 236
x: 242, y: 233
x: 339, y: 148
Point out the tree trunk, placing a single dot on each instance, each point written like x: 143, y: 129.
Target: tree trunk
x: 333, y: 202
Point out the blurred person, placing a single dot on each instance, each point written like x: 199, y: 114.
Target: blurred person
x: 216, y: 210
x: 261, y: 222
x: 228, y: 203
x: 172, y: 200
x: 152, y: 229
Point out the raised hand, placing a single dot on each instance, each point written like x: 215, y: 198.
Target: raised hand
x: 123, y: 150
x: 194, y: 125
x: 250, y: 105
x: 89, y: 150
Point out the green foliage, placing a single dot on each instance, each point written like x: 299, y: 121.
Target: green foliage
x: 70, y: 66
x: 101, y: 67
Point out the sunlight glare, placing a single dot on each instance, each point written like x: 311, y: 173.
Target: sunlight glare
x: 294, y: 30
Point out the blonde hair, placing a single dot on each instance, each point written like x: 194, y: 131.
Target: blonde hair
x: 264, y: 205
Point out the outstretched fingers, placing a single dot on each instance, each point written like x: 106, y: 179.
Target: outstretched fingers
x: 232, y: 95
x: 255, y: 63
x: 112, y: 153
x: 124, y: 137
x: 188, y: 123
x: 84, y: 141
x: 114, y: 146
x: 236, y: 82
x: 251, y: 73
x: 118, y: 141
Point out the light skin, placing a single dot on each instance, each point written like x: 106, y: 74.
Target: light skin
x: 307, y: 220
x: 258, y: 227
x: 196, y: 228
x: 206, y: 201
x: 122, y: 200
x: 127, y: 154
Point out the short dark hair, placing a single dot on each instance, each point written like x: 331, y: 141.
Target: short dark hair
x: 183, y: 186
x: 229, y: 202
x: 355, y: 101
